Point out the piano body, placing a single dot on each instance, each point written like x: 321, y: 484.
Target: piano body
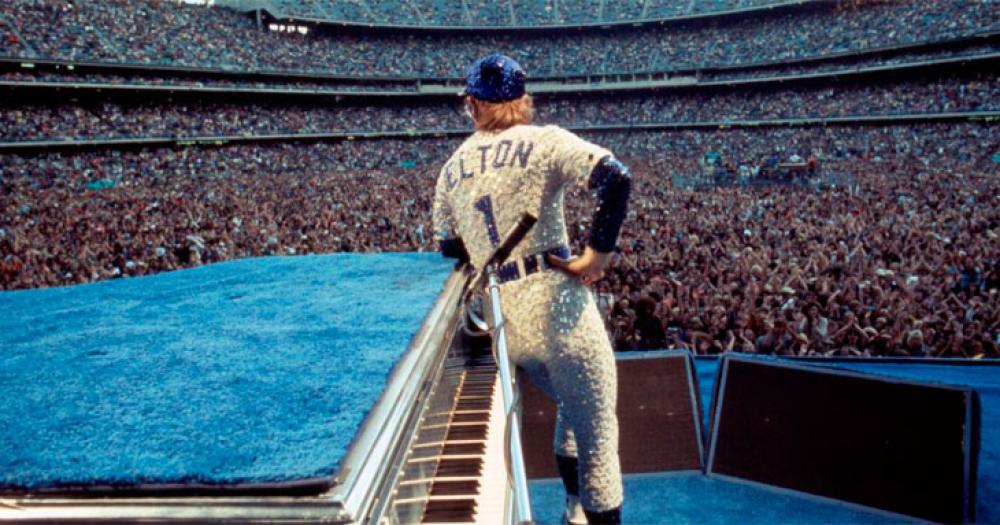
x: 431, y: 450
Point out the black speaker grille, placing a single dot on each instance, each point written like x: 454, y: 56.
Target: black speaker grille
x: 898, y: 446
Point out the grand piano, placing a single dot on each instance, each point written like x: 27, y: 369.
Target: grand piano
x: 431, y: 450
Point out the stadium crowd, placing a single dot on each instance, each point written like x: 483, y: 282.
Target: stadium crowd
x: 197, y: 79
x: 73, y: 218
x: 195, y: 119
x: 905, y: 260
x: 850, y: 63
x: 180, y: 119
x: 167, y: 33
x: 280, y: 83
x: 515, y: 13
x: 905, y: 264
x: 980, y: 93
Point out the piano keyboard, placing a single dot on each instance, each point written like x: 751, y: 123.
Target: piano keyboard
x: 456, y: 470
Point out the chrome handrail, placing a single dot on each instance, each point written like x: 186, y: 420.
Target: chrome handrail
x: 515, y: 455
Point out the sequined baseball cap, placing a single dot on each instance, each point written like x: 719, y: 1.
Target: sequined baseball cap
x: 494, y: 78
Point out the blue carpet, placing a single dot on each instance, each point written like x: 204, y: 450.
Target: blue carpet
x: 256, y: 370
x: 693, y: 498
x: 706, y: 368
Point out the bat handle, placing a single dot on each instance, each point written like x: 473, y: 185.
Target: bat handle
x: 514, y: 236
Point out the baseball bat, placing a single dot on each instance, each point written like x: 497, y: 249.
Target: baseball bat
x: 515, y: 236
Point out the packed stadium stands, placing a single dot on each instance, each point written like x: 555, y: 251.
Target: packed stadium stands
x: 164, y: 33
x: 186, y: 81
x: 121, y: 120
x: 512, y: 13
x: 826, y: 237
x: 13, y: 71
x: 910, y: 249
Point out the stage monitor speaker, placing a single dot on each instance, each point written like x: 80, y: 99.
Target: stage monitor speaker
x: 658, y: 416
x: 898, y: 445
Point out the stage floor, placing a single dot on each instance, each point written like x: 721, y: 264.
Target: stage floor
x: 250, y: 371
x: 687, y: 498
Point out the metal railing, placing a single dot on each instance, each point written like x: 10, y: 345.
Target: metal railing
x: 521, y: 511
x: 515, y: 455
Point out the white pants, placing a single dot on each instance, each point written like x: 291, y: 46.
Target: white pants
x: 555, y: 332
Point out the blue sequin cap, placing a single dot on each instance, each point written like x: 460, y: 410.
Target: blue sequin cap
x: 495, y: 78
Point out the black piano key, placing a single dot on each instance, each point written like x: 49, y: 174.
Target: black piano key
x: 474, y: 397
x: 463, y: 449
x: 450, y: 511
x: 487, y: 382
x: 486, y: 389
x: 473, y: 391
x: 473, y: 404
x: 471, y: 417
x: 471, y: 398
x: 455, y: 488
x: 450, y: 467
x: 466, y: 432
x: 478, y: 387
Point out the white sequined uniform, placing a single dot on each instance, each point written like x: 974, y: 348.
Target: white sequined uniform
x: 554, y: 330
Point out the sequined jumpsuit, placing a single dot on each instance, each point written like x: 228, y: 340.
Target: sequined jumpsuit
x: 554, y: 329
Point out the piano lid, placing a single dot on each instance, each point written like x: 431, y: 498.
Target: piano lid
x: 342, y: 495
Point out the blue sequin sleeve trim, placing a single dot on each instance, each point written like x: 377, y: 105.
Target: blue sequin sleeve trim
x: 454, y: 248
x: 613, y: 183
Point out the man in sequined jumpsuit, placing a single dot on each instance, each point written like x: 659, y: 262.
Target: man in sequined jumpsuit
x: 554, y: 330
